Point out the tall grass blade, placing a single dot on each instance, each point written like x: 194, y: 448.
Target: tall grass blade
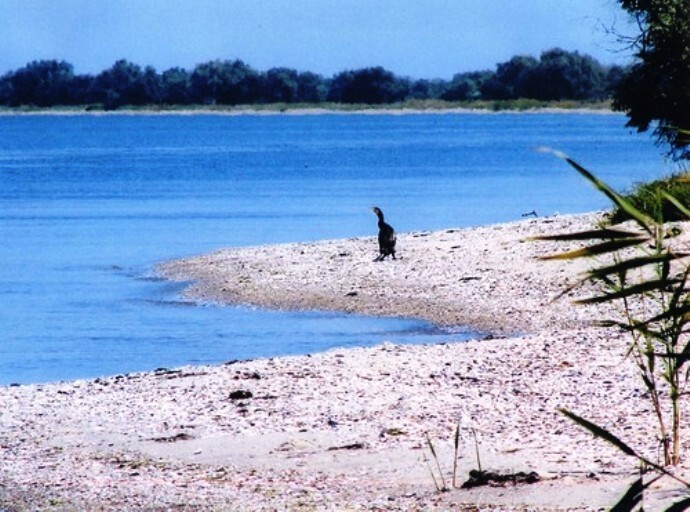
x: 431, y: 471
x: 438, y: 464
x: 455, y: 454
x: 678, y: 312
x: 476, y: 449
x: 680, y: 206
x: 634, y: 263
x: 608, y: 436
x: 679, y: 506
x: 642, y: 219
x: 600, y: 432
x: 645, y: 287
x: 592, y: 234
x: 632, y: 497
x: 596, y: 250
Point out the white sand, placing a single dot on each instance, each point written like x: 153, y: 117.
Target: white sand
x: 345, y: 429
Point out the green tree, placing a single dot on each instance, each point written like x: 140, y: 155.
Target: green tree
x: 338, y: 85
x: 153, y: 86
x: 123, y: 84
x: 225, y: 82
x: 311, y: 88
x: 175, y: 86
x: 467, y: 86
x: 567, y: 75
x: 369, y: 85
x: 427, y: 89
x: 41, y: 83
x: 511, y: 80
x: 280, y: 85
x: 656, y: 91
x: 6, y: 90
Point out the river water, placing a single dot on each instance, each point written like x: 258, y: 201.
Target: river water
x: 89, y: 203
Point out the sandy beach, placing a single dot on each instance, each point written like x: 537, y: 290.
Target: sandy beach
x: 347, y: 429
x: 287, y: 110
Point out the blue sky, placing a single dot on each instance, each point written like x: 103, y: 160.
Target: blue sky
x: 416, y: 38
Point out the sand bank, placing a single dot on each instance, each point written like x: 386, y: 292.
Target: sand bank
x: 313, y: 111
x: 346, y: 429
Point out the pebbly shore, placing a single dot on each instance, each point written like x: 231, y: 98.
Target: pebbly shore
x: 348, y: 429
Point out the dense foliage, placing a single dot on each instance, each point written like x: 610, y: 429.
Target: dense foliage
x: 651, y: 198
x: 556, y: 75
x: 656, y: 91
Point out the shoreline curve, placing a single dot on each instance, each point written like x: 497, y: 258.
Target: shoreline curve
x: 347, y: 428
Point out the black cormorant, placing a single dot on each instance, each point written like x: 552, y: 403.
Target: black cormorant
x: 386, y: 236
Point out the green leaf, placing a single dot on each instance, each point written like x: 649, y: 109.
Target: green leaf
x: 679, y: 506
x: 633, y: 263
x: 638, y: 289
x: 595, y: 250
x: 600, y: 432
x: 648, y: 382
x: 644, y: 221
x: 593, y: 234
x: 608, y: 436
x: 430, y: 445
x: 639, y: 327
x: 679, y: 313
x: 679, y: 358
x: 680, y: 206
x: 632, y: 497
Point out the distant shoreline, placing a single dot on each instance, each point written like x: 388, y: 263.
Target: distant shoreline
x: 299, y: 113
x: 411, y: 108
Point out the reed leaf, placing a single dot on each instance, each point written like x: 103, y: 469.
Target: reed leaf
x: 642, y: 219
x: 679, y: 506
x: 596, y: 249
x: 569, y: 289
x: 632, y: 497
x: 476, y: 449
x: 633, y: 263
x: 455, y: 453
x: 602, y: 433
x: 681, y: 312
x: 679, y: 206
x: 686, y: 351
x: 431, y: 472
x: 592, y: 234
x: 438, y: 464
x: 680, y: 358
x: 641, y: 288
x: 639, y: 327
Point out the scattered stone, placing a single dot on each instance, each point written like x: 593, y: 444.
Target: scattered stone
x: 173, y: 439
x: 352, y: 446
x: 479, y: 477
x: 241, y: 394
x: 393, y: 432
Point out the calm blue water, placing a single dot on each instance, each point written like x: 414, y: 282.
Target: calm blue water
x: 89, y: 203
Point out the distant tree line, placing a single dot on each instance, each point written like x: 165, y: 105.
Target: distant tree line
x: 556, y: 75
